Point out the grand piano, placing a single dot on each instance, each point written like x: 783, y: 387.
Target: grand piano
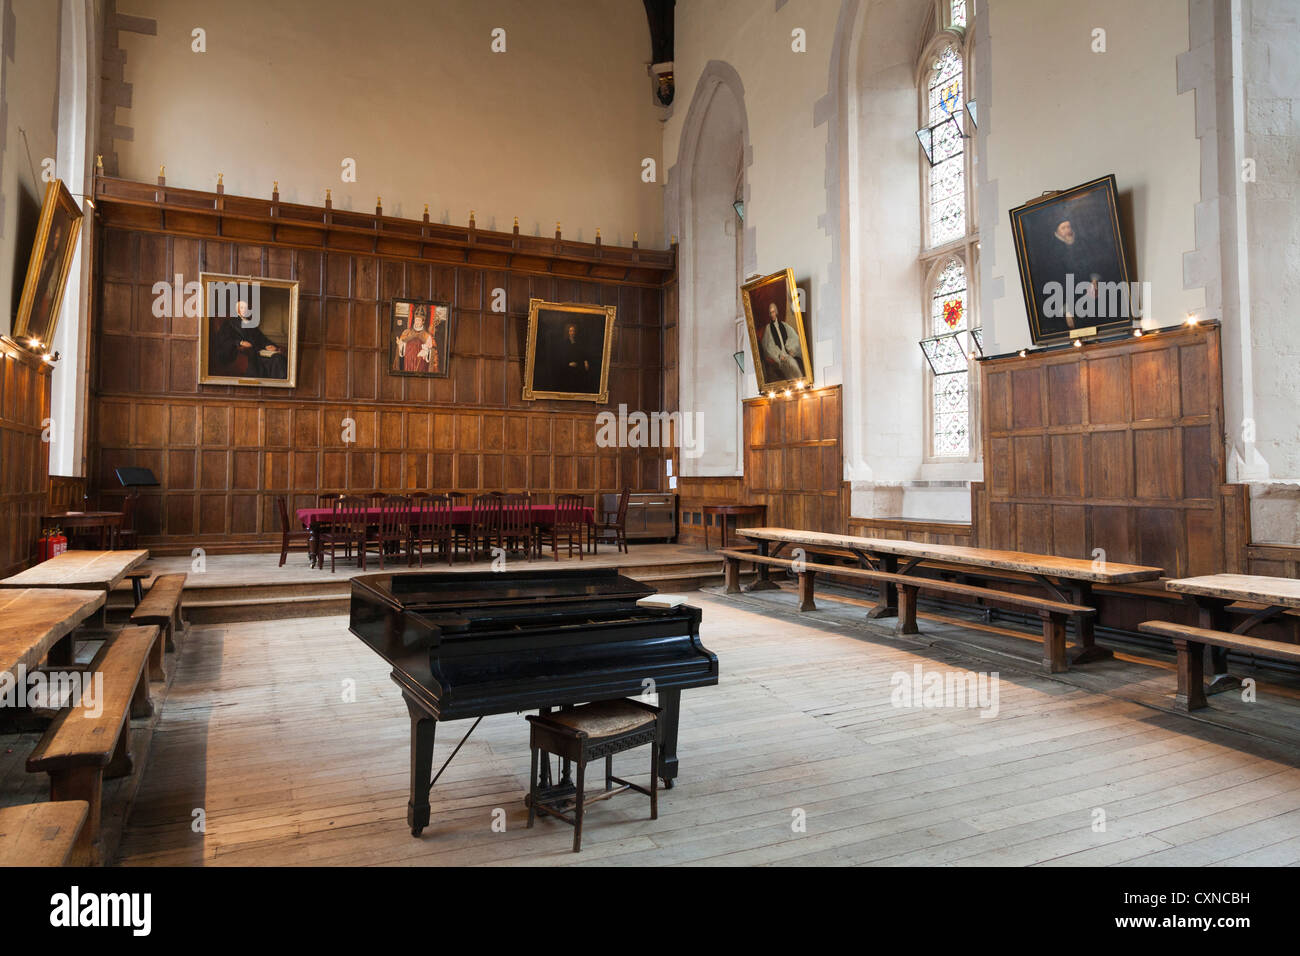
x: 477, y: 643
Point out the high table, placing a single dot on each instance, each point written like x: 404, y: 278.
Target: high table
x: 1054, y: 574
x: 108, y: 523
x: 313, y: 518
x: 1211, y: 594
x: 35, y: 622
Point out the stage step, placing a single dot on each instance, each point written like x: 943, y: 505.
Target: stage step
x: 331, y: 594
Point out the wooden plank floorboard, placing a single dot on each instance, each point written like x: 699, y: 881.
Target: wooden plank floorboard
x: 288, y: 772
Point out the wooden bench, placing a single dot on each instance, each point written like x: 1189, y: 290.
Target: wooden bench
x: 40, y: 834
x: 1055, y: 614
x: 162, y: 607
x: 1190, y: 643
x: 79, y: 750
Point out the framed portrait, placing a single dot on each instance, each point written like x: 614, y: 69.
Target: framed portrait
x: 419, y: 338
x: 47, y: 268
x: 249, y: 331
x: 568, y: 351
x: 1073, y: 267
x: 778, y: 333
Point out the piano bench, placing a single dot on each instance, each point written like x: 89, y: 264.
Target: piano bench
x: 587, y: 733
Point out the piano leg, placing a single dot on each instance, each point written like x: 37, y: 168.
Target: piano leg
x: 670, y: 706
x: 423, y: 728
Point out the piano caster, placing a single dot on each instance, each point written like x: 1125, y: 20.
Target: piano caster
x: 668, y: 782
x: 416, y: 831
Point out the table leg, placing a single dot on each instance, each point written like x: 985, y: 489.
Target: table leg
x: 887, y: 606
x: 670, y: 711
x: 1213, y: 615
x: 723, y: 531
x: 761, y: 581
x: 1081, y: 593
x: 706, y: 530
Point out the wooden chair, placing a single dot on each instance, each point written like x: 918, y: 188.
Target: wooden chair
x: 347, y: 527
x: 484, y: 525
x: 517, y: 523
x: 126, y: 535
x: 289, y: 537
x: 394, y: 529
x: 613, y: 529
x: 588, y: 733
x: 568, y: 526
x: 431, y: 517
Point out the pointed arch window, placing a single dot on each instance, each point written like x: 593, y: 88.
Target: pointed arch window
x: 950, y: 240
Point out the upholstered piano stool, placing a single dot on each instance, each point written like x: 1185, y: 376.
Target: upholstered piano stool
x: 588, y: 733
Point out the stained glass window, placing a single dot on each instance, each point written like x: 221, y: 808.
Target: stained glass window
x: 947, y: 212
x: 959, y: 13
x: 950, y: 383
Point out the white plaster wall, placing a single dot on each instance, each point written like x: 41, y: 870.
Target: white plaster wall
x: 1062, y: 114
x: 555, y: 128
x: 30, y: 73
x: 787, y: 177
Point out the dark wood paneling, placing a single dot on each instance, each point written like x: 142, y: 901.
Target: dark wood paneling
x: 224, y: 453
x: 1113, y: 447
x: 794, y: 460
x: 24, y: 454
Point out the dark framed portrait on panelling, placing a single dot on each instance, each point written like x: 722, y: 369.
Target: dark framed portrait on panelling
x: 249, y: 333
x: 47, y: 268
x: 419, y: 338
x: 778, y: 333
x: 1073, y: 267
x: 568, y: 351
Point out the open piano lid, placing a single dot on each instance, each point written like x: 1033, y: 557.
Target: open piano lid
x: 448, y: 590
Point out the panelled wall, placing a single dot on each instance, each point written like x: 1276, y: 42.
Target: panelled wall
x: 24, y: 454
x: 794, y: 460
x: 224, y: 454
x: 1115, y: 448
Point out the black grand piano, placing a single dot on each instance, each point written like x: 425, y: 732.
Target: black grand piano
x: 477, y: 643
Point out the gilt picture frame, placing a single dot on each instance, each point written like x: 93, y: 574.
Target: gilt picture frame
x: 47, y: 268
x: 778, y: 332
x: 248, y: 331
x: 568, y: 351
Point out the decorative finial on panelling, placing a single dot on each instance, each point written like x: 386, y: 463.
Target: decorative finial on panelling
x: 162, y: 175
x: 426, y: 212
x: 99, y: 161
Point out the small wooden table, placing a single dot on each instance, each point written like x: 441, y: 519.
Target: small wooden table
x: 108, y: 523
x: 36, y: 622
x: 1068, y: 580
x: 724, y: 511
x: 1211, y: 594
x: 95, y: 570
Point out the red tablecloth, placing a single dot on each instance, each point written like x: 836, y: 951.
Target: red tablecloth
x: 542, y: 514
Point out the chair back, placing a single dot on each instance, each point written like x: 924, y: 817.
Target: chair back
x: 284, y: 514
x: 516, y: 515
x: 622, y: 507
x: 350, y: 513
x: 485, y: 515
x: 377, y: 495
x: 128, y: 511
x: 434, y: 513
x: 568, y: 512
x: 394, y: 516
x: 328, y: 501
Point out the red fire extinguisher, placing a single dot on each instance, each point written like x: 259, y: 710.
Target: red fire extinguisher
x: 50, y: 543
x: 58, y: 543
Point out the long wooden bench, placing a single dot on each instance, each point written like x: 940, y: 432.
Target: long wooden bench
x: 40, y: 834
x: 79, y: 750
x: 162, y: 607
x: 1190, y: 643
x: 1055, y: 614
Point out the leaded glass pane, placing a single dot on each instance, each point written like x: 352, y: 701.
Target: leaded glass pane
x: 947, y: 201
x: 945, y: 85
x: 944, y: 355
x: 952, y: 415
x: 959, y: 13
x: 948, y: 300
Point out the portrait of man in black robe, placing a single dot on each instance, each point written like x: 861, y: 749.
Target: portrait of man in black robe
x: 250, y: 330
x: 570, y: 350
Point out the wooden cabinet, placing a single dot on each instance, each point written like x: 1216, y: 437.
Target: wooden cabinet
x: 650, y: 514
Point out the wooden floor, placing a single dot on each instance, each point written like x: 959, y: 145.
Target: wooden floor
x: 256, y: 738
